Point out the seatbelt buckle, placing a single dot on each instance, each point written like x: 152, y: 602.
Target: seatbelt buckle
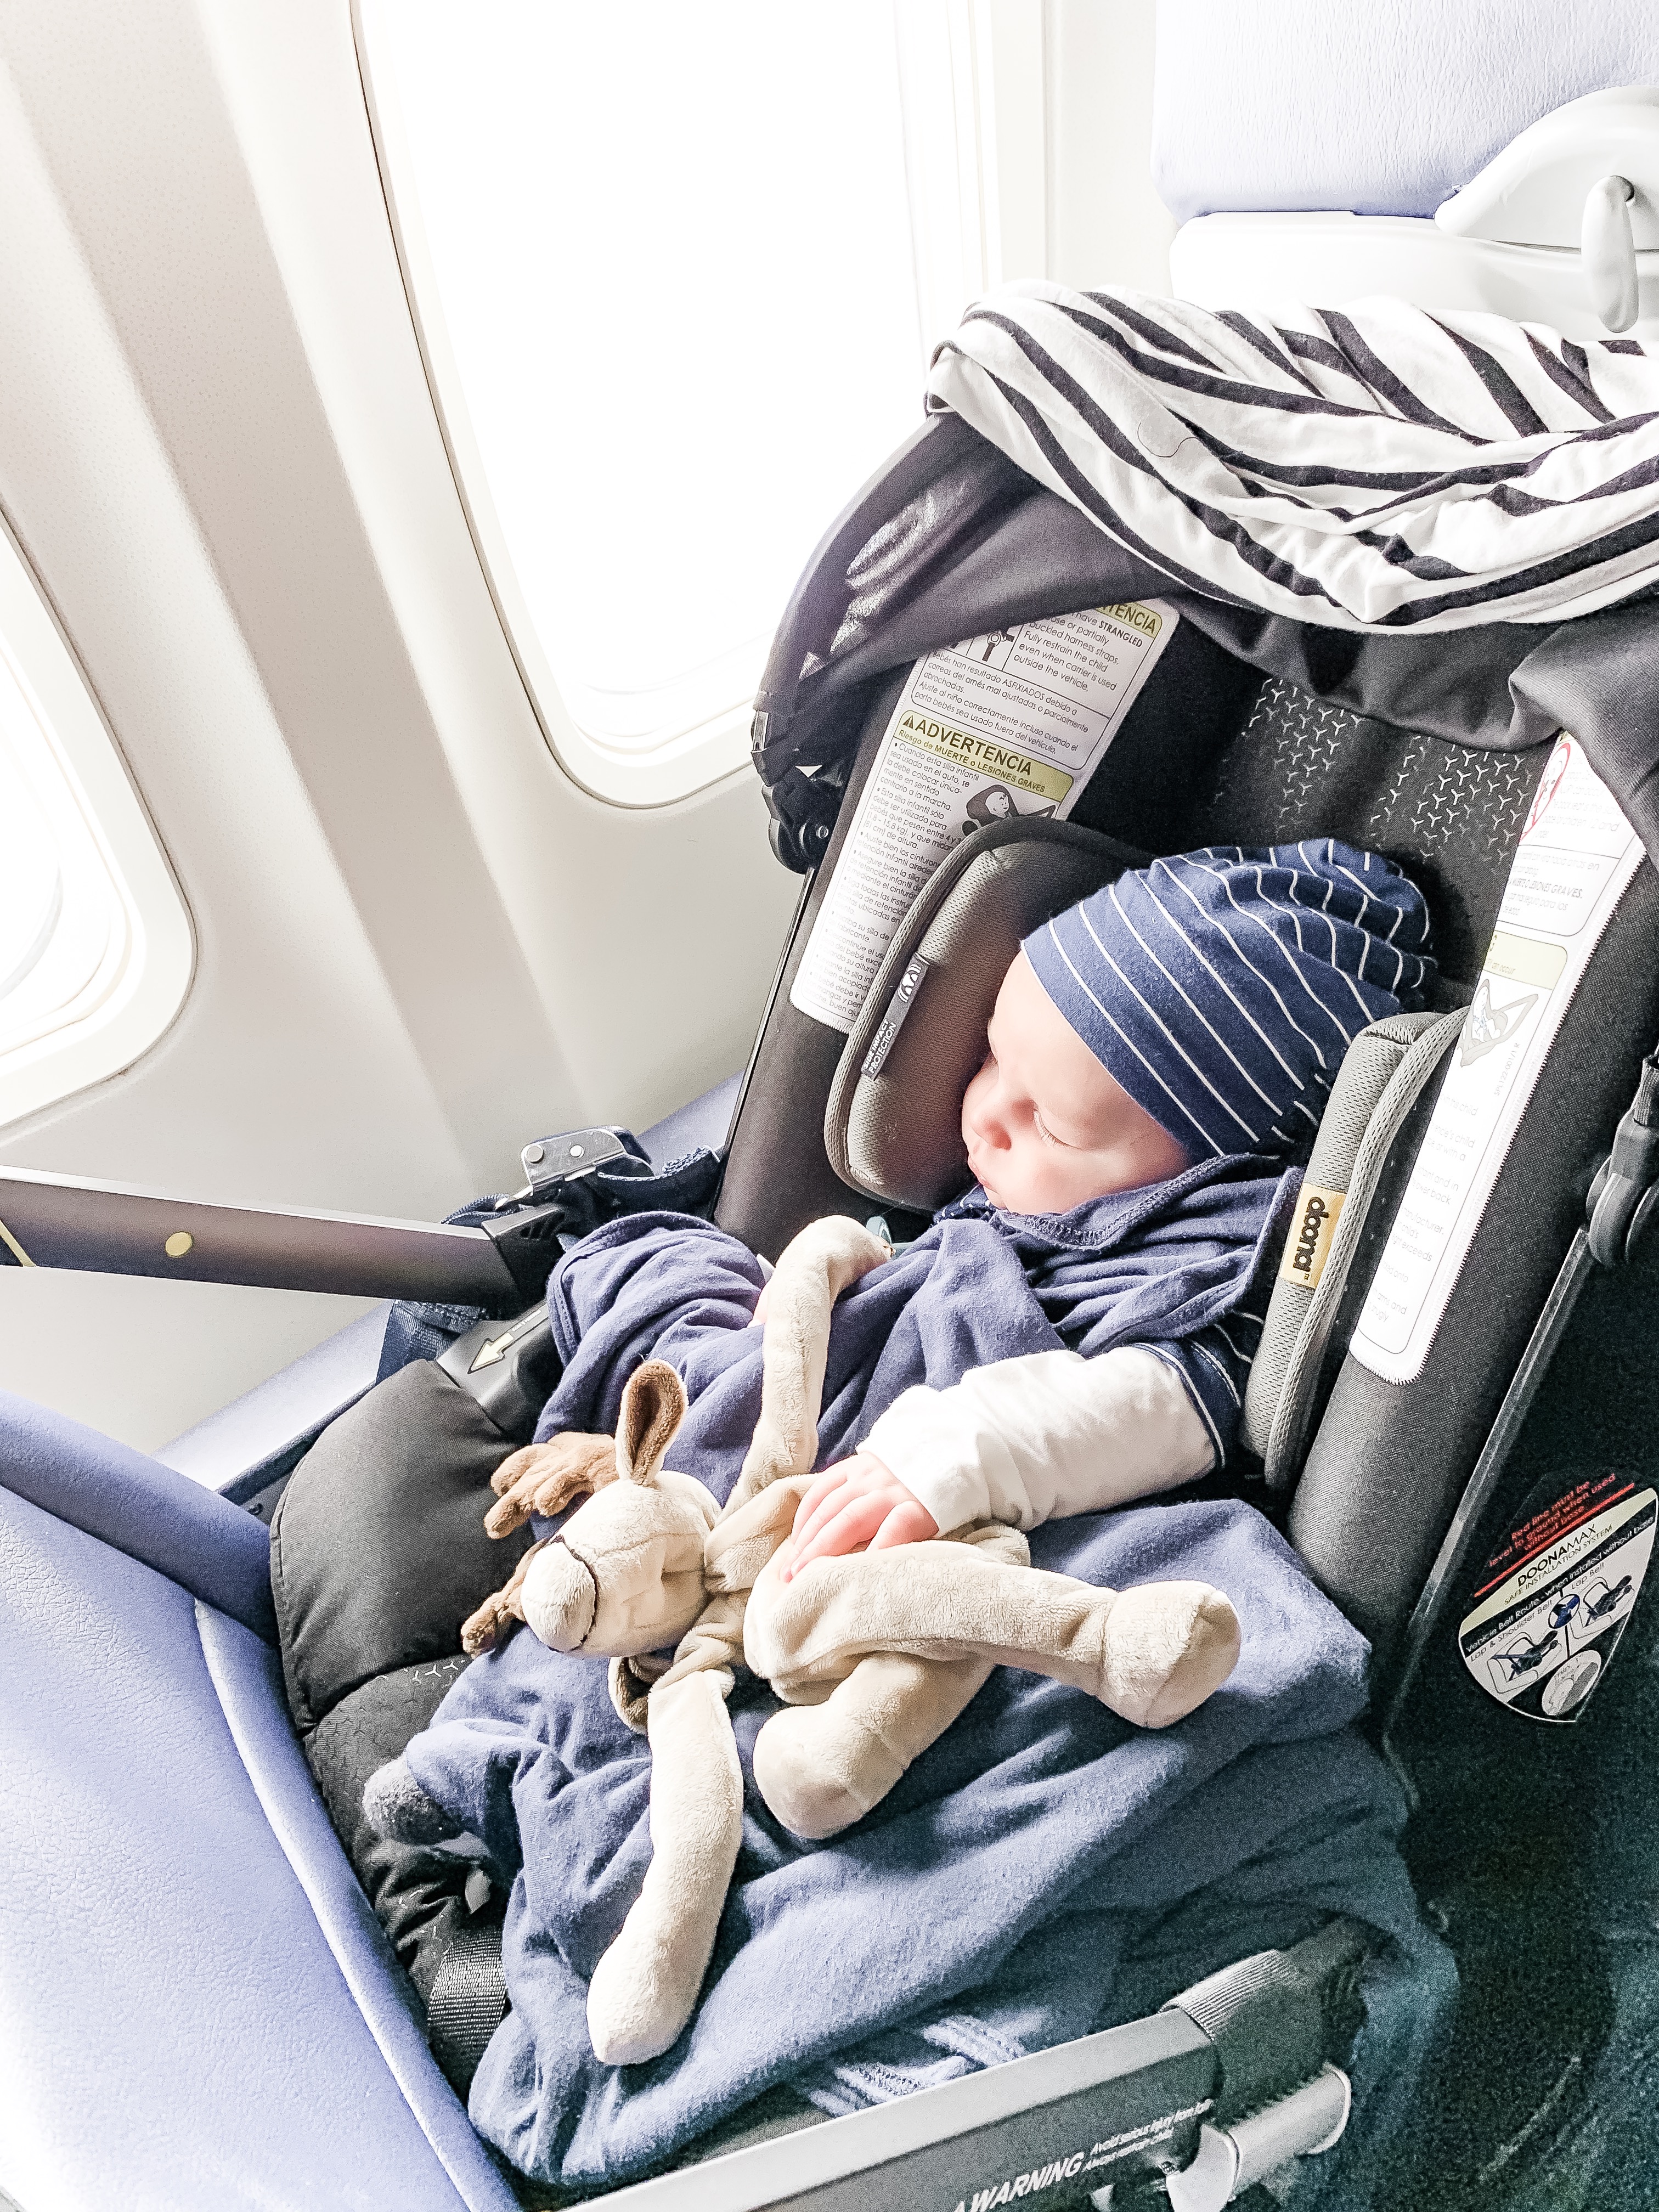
x: 559, y: 1200
x: 509, y: 1367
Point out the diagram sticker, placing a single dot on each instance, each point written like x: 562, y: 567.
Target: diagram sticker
x: 1557, y: 1596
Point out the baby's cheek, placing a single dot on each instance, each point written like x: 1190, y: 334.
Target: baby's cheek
x: 974, y: 1097
x: 1024, y: 1178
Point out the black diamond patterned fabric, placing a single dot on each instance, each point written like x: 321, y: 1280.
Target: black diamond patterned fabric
x: 1450, y: 815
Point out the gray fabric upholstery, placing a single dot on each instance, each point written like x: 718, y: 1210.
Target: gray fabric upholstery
x: 1381, y: 1079
x: 896, y: 1132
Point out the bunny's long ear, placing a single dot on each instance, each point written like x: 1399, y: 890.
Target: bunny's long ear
x: 652, y: 1407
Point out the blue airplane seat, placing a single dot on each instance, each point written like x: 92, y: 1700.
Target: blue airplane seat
x: 198, y: 2000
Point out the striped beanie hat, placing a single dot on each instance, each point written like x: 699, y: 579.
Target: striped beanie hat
x: 1221, y: 988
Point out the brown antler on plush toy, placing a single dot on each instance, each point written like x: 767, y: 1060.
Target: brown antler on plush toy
x: 874, y: 1655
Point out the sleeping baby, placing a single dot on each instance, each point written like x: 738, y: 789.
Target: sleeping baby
x: 1193, y: 1010
x: 1072, y: 1333
x: 1071, y: 1336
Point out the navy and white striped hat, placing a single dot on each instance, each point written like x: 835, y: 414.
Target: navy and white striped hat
x: 1222, y: 988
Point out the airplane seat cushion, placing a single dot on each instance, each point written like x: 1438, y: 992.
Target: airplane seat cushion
x: 200, y: 2005
x: 1263, y: 106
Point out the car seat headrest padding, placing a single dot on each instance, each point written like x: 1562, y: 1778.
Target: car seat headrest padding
x: 1383, y: 1074
x: 893, y: 1124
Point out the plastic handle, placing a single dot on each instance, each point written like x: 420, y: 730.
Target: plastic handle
x: 1610, y: 253
x: 1230, y: 2160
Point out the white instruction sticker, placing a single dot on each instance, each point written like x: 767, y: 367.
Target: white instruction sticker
x: 1577, y: 856
x: 1541, y: 1636
x: 1014, y: 723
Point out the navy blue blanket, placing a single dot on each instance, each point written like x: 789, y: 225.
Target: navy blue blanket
x: 1044, y: 1868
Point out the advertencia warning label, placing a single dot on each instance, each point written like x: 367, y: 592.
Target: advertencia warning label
x: 1558, y: 1595
x: 1577, y: 856
x: 1014, y: 723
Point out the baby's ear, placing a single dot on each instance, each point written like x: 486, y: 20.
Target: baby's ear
x: 653, y: 1405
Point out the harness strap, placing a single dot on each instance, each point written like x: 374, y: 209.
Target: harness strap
x: 468, y: 2002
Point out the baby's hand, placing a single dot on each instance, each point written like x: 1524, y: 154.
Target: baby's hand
x: 856, y: 1504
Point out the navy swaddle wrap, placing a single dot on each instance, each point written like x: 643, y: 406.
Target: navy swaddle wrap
x: 1044, y: 1868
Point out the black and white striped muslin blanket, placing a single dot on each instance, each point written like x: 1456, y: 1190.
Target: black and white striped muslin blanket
x: 1371, y: 468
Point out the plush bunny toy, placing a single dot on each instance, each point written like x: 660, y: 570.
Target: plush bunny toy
x: 874, y: 1655
x: 625, y: 1573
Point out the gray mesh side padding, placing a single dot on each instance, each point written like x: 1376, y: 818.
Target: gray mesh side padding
x: 898, y: 1134
x: 1381, y: 1076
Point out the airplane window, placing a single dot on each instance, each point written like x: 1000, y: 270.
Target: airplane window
x: 55, y: 934
x: 661, y: 261
x: 94, y: 945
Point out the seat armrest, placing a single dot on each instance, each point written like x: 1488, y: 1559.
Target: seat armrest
x: 203, y: 1543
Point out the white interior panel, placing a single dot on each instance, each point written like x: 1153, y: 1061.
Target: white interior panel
x: 1106, y: 224
x: 418, y: 941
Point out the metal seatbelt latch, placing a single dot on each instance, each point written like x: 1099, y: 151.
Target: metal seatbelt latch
x: 550, y: 1161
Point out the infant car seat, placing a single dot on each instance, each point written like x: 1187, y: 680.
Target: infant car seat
x: 187, y: 1926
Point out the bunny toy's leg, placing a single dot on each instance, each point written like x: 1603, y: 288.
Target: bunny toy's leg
x: 826, y: 1761
x: 822, y: 1767
x: 1150, y: 1654
x: 645, y: 1987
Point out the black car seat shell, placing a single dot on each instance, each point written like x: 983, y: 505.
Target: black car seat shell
x: 1290, y: 766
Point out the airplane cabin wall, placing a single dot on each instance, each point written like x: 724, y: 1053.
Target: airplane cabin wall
x: 418, y: 942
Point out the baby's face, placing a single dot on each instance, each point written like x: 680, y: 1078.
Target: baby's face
x: 1046, y: 1127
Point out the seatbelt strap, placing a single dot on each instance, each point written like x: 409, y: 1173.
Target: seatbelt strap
x: 468, y: 2002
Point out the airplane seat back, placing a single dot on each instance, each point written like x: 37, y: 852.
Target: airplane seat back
x: 1444, y: 155
x: 1285, y: 105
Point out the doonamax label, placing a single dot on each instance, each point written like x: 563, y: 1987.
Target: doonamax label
x: 1559, y: 1592
x: 1577, y: 856
x: 1011, y: 724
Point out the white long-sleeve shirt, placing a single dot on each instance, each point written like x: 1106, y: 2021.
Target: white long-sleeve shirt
x: 1040, y: 1437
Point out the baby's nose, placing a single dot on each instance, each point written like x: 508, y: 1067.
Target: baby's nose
x: 982, y: 1123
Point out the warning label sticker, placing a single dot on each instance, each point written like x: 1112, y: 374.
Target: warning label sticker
x: 1557, y: 1596
x: 1578, y: 853
x: 1010, y: 723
